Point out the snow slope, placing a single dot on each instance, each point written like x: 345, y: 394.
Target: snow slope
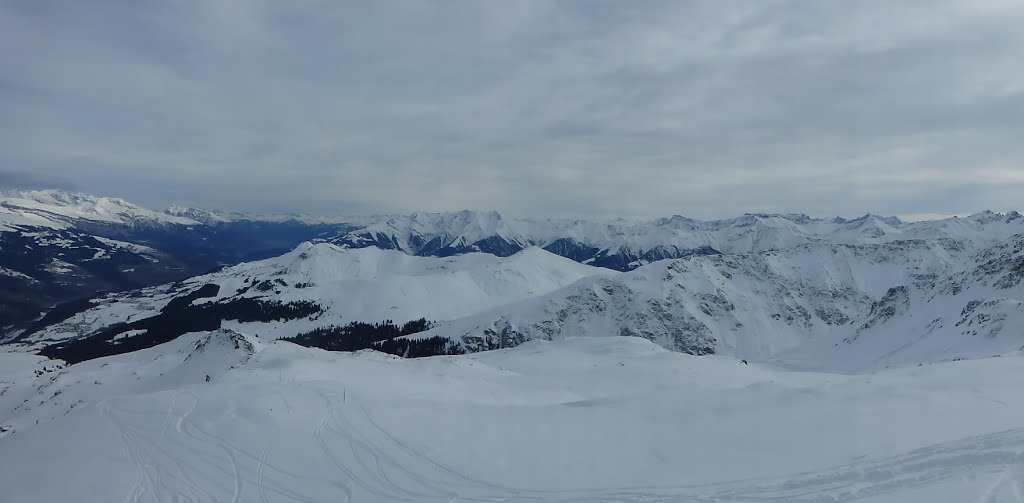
x: 821, y: 306
x: 813, y: 293
x: 584, y: 419
x: 814, y: 306
x: 373, y: 285
x: 624, y: 245
x: 61, y: 209
x: 368, y: 285
x: 884, y: 363
x: 44, y: 266
x: 46, y: 237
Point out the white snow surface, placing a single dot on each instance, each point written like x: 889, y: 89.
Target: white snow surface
x: 213, y: 217
x: 816, y: 306
x: 884, y: 366
x: 747, y: 234
x: 61, y: 209
x: 582, y: 419
x: 368, y: 285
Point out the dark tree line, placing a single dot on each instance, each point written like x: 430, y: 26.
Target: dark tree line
x: 384, y: 337
x: 419, y: 348
x: 356, y: 335
x: 257, y: 310
x: 179, y: 317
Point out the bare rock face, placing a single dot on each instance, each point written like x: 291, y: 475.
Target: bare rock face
x: 895, y: 302
x: 225, y: 340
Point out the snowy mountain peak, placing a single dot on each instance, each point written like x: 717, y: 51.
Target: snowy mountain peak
x: 58, y: 208
x: 988, y: 217
x: 207, y: 217
x: 336, y: 286
x: 61, y: 198
x: 869, y: 217
x: 678, y: 222
x: 220, y: 342
x: 799, y: 218
x: 326, y: 262
x: 456, y: 224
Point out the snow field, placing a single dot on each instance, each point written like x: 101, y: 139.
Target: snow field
x: 583, y: 419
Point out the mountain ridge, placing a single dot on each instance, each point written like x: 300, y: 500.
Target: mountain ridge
x: 106, y: 244
x: 816, y: 306
x: 314, y: 286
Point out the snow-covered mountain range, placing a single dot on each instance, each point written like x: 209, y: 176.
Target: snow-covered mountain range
x: 767, y: 357
x: 625, y: 245
x: 822, y: 306
x: 58, y: 247
x: 61, y: 209
x: 339, y: 286
x: 616, y: 244
x: 817, y: 305
x: 786, y: 288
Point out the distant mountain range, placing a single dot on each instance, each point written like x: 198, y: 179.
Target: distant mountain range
x: 787, y: 288
x: 625, y: 245
x: 57, y: 247
x: 817, y: 306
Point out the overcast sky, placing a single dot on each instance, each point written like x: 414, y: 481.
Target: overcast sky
x: 576, y: 108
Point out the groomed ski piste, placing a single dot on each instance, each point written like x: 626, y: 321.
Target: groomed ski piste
x: 227, y: 417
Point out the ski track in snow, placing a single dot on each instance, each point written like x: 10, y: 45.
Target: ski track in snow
x: 320, y: 441
x: 183, y: 427
x: 263, y: 463
x: 318, y: 435
x: 126, y: 449
x: 260, y: 488
x: 374, y: 465
x: 401, y: 475
x: 420, y: 457
x: 1005, y: 478
x: 982, y: 454
x: 363, y: 446
x: 994, y: 453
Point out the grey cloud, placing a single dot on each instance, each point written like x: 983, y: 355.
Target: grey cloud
x: 704, y: 108
x: 24, y: 180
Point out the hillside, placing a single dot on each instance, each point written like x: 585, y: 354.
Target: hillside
x: 59, y: 248
x: 314, y: 286
x: 583, y: 419
x: 834, y: 307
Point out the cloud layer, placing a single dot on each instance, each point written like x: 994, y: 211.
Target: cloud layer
x: 702, y: 108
